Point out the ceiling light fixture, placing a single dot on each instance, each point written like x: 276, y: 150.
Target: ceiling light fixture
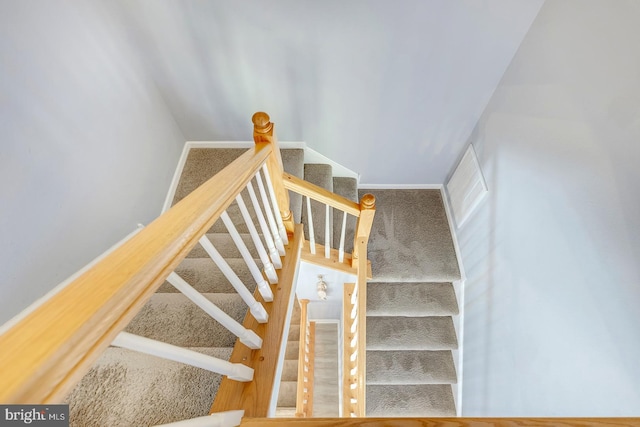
x: 322, y: 288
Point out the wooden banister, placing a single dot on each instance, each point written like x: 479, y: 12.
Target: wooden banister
x: 367, y: 210
x: 264, y: 132
x: 319, y: 194
x: 47, y: 352
x: 440, y: 422
x: 301, y: 354
x: 347, y: 364
x: 255, y: 397
x: 308, y: 404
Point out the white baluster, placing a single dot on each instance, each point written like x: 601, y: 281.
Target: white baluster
x: 269, y: 269
x: 344, y: 226
x: 274, y: 203
x: 235, y: 371
x: 273, y: 252
x: 256, y: 309
x: 246, y: 336
x: 312, y: 237
x: 263, y: 286
x: 327, y: 237
x: 267, y: 209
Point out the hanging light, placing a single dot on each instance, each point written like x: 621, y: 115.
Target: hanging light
x: 322, y: 288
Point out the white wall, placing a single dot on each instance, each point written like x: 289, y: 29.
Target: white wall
x: 552, y: 258
x: 389, y: 89
x: 87, y: 146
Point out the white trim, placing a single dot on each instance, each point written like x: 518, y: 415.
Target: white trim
x: 176, y: 178
x: 37, y: 303
x: 458, y: 321
x: 311, y: 156
x: 400, y: 187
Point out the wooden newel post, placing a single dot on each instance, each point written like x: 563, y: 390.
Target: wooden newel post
x: 263, y: 132
x: 301, y: 359
x: 363, y: 227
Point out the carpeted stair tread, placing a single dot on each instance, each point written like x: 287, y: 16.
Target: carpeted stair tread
x: 348, y: 188
x: 410, y: 367
x: 129, y: 388
x: 411, y: 299
x: 225, y: 245
x: 410, y: 333
x: 290, y: 370
x: 287, y: 394
x: 293, y: 350
x: 205, y: 276
x: 322, y: 176
x: 410, y: 238
x: 174, y: 319
x: 203, y: 163
x: 422, y: 400
x: 294, y: 333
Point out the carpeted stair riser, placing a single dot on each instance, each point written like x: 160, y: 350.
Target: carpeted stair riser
x: 290, y: 370
x: 292, y: 351
x: 348, y: 188
x: 293, y: 163
x: 174, y: 319
x: 410, y: 367
x: 411, y: 333
x: 129, y: 388
x: 205, y: 276
x: 287, y: 394
x: 411, y: 299
x: 322, y: 176
x: 436, y: 400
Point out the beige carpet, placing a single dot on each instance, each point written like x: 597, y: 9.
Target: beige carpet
x: 410, y: 332
x: 126, y: 388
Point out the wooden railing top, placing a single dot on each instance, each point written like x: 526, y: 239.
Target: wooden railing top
x: 439, y: 422
x: 319, y: 194
x: 47, y: 352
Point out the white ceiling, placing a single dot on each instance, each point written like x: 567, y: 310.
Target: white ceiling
x: 390, y: 89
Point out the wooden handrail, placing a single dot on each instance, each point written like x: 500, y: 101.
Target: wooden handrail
x: 311, y: 354
x: 347, y: 364
x: 45, y: 354
x: 438, y: 422
x: 264, y: 132
x: 301, y: 354
x: 319, y: 194
x: 361, y: 285
x: 255, y: 397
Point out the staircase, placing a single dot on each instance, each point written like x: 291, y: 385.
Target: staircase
x: 410, y: 333
x: 130, y: 388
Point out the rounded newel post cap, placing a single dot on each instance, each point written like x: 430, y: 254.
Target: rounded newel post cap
x: 368, y: 201
x: 261, y: 122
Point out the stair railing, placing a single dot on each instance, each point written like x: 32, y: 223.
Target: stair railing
x: 306, y: 358
x: 48, y: 351
x: 354, y: 318
x: 355, y: 295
